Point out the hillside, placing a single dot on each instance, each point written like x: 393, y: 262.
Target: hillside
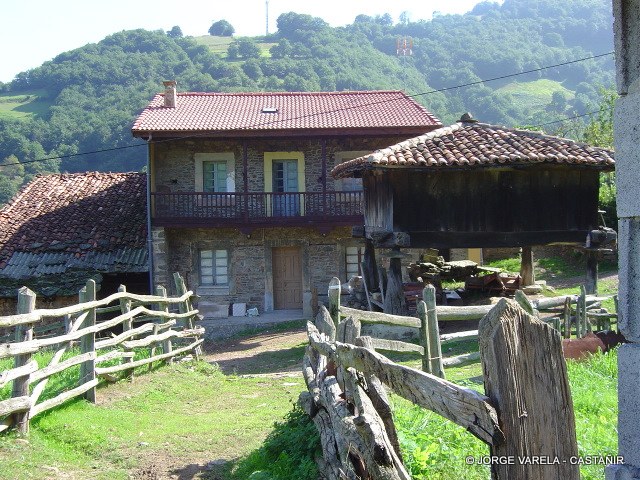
x: 85, y: 100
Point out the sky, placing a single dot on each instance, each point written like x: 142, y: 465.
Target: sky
x: 35, y: 31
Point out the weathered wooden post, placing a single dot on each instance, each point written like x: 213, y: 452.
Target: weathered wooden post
x: 567, y: 317
x: 424, y: 336
x: 394, y: 301
x: 526, y: 267
x: 369, y: 267
x: 334, y: 300
x: 23, y: 333
x: 167, y: 345
x: 584, y: 321
x: 529, y: 387
x: 184, y: 307
x: 88, y: 341
x: 591, y: 284
x: 429, y: 296
x: 125, y: 307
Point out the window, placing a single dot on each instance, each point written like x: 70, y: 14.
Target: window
x: 353, y: 258
x: 214, y: 176
x: 214, y: 267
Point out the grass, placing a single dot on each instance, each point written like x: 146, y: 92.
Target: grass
x: 435, y: 448
x: 535, y: 95
x: 24, y: 105
x: 220, y: 45
x: 178, y: 415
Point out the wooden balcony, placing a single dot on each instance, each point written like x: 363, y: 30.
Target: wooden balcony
x: 256, y: 210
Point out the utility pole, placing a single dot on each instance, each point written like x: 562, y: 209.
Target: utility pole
x: 267, y: 15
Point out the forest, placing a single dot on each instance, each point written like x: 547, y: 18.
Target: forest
x: 74, y: 113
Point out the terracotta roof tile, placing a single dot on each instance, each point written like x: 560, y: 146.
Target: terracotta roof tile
x: 206, y: 112
x: 77, y: 213
x: 474, y: 145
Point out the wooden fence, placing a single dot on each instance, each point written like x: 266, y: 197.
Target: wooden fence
x: 146, y: 322
x: 525, y: 416
x: 573, y: 313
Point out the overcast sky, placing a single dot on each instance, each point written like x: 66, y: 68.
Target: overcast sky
x: 34, y: 31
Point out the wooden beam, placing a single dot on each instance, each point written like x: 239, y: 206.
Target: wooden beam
x: 591, y: 284
x: 394, y: 301
x: 526, y: 267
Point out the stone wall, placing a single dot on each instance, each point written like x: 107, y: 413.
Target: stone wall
x: 250, y: 270
x: 174, y: 162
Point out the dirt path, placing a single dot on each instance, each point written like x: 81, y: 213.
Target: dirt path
x: 263, y: 354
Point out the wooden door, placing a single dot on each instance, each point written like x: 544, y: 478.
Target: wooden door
x: 287, y: 278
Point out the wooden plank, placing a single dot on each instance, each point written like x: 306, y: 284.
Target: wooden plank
x: 37, y: 315
x: 145, y: 342
x: 119, y: 368
x: 377, y: 317
x: 396, y: 346
x: 118, y: 339
x: 24, y: 333
x: 454, y: 337
x: 334, y: 300
x: 463, y: 406
x: 14, y: 405
x: 429, y: 296
x: 23, y: 371
x: 421, y: 309
x: 114, y: 355
x: 460, y: 360
x: 63, y: 397
x: 49, y: 370
x: 88, y: 343
x: 525, y: 376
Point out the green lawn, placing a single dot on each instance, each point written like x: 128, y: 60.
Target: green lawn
x: 219, y: 45
x: 24, y: 104
x: 535, y: 95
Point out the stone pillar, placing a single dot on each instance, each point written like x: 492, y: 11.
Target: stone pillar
x: 627, y: 147
x: 160, y: 274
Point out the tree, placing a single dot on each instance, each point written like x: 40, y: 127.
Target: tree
x: 247, y: 48
x: 175, y: 32
x: 222, y: 28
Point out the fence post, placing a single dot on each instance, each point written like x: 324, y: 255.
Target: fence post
x: 167, y: 345
x: 23, y: 333
x: 429, y: 296
x: 567, y: 317
x: 125, y: 307
x: 88, y: 341
x: 584, y: 322
x: 185, y: 307
x: 334, y: 300
x: 424, y: 336
x: 529, y: 387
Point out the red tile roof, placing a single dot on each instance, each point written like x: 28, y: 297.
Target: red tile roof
x: 468, y: 144
x: 296, y: 111
x: 75, y: 213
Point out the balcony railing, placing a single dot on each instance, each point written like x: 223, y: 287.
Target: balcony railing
x: 259, y: 209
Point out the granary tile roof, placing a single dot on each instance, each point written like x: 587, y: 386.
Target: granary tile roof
x: 469, y: 144
x: 68, y: 220
x: 289, y: 111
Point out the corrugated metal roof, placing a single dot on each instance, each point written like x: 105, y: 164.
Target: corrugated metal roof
x: 26, y: 264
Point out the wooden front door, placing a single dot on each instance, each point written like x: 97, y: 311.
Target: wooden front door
x: 287, y: 278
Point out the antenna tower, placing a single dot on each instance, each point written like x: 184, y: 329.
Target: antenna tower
x: 267, y: 15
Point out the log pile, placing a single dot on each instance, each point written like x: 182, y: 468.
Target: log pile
x: 350, y: 410
x: 437, y: 270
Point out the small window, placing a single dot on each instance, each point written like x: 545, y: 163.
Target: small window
x: 214, y: 267
x: 353, y: 258
x: 214, y: 176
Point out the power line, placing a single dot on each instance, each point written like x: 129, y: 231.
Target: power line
x: 444, y: 89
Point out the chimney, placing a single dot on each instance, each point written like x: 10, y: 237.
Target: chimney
x: 170, y: 94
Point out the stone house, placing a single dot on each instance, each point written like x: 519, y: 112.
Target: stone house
x: 241, y: 201
x: 63, y: 229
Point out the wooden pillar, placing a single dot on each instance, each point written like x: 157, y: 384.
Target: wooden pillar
x: 88, y: 341
x: 591, y: 283
x: 526, y: 267
x: 394, y: 301
x: 370, y: 268
x: 24, y: 333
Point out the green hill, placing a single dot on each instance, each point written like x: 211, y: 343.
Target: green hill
x: 85, y: 100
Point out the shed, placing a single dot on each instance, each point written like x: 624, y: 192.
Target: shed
x: 474, y: 185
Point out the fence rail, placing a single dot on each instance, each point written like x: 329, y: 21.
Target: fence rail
x: 164, y: 329
x: 526, y: 410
